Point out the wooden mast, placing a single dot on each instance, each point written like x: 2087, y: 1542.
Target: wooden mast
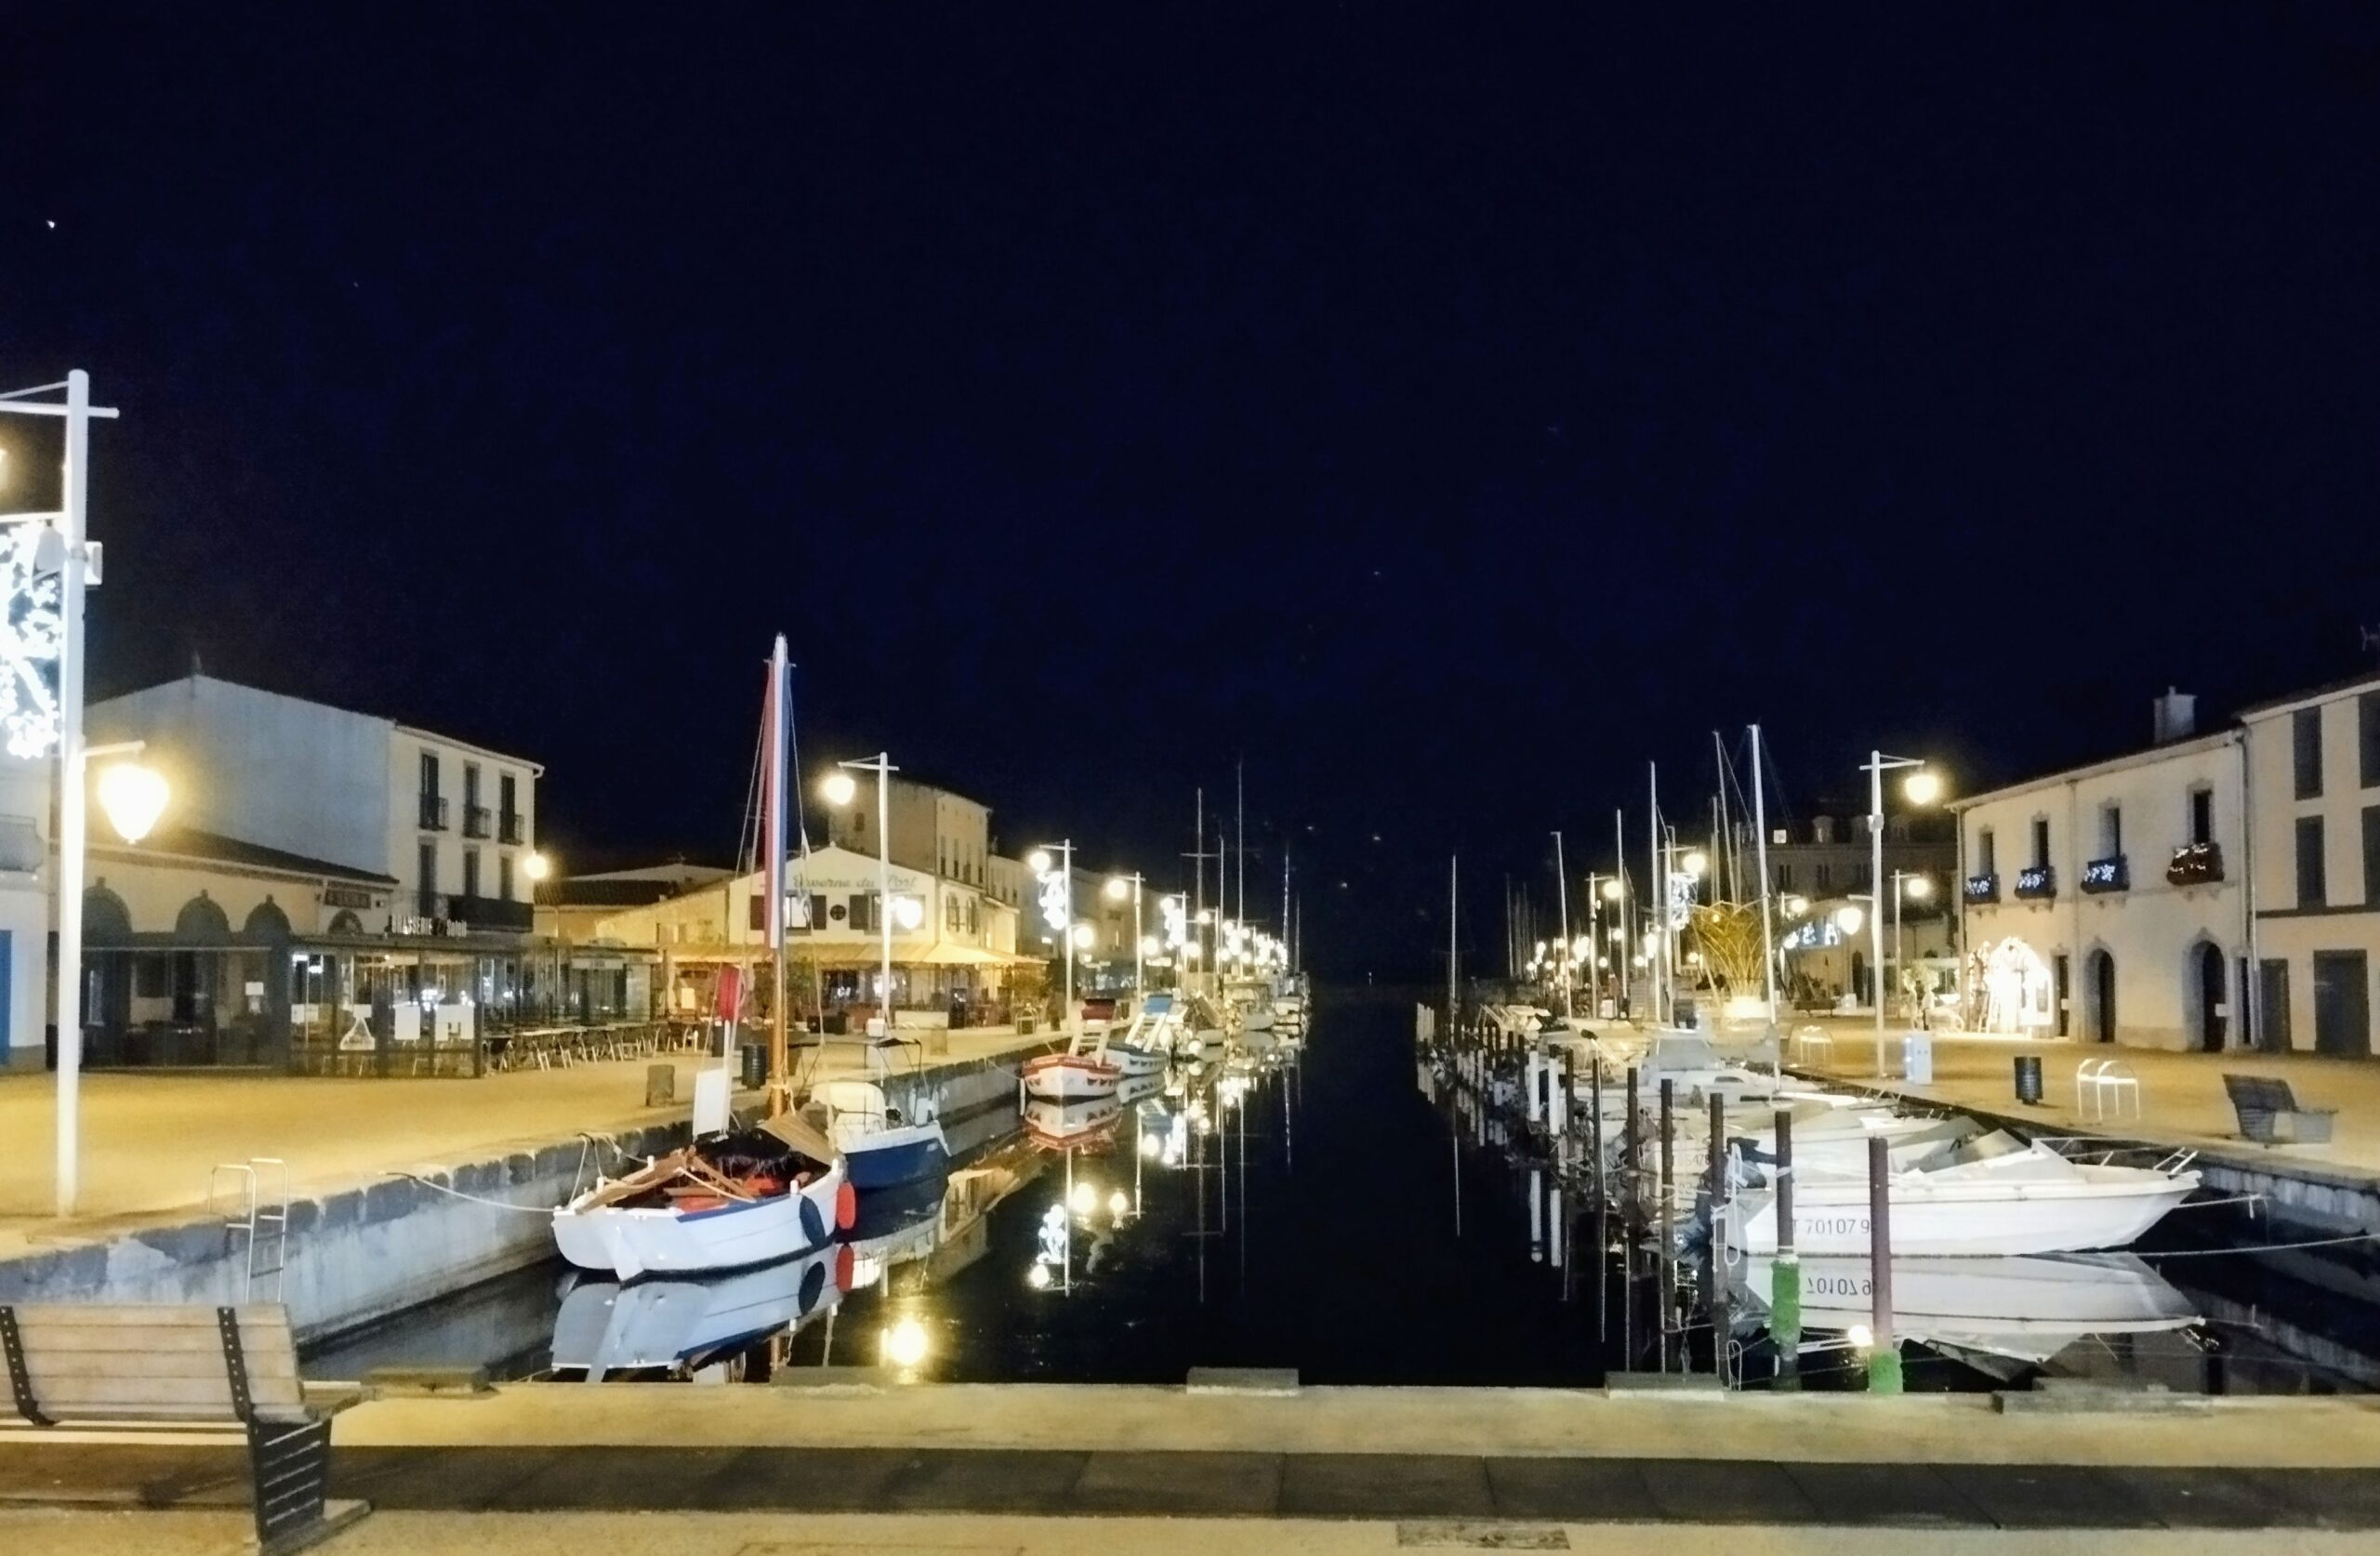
x: 773, y: 838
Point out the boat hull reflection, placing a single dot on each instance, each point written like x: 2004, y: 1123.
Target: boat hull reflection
x: 674, y: 1327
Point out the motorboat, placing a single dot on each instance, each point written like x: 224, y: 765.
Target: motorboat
x: 1059, y: 1126
x: 1147, y: 1045
x: 1996, y: 1196
x: 1693, y: 1065
x: 726, y: 1202
x: 881, y: 1147
x: 1083, y: 1072
x: 2022, y: 1308
x: 677, y: 1324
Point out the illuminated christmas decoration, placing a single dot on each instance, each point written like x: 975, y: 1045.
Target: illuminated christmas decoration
x: 29, y: 645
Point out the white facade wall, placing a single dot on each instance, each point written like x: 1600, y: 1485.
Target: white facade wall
x: 2154, y: 930
x: 2293, y: 930
x: 500, y: 873
x: 24, y: 908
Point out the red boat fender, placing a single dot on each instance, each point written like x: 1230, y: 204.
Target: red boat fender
x: 846, y: 1207
x: 844, y: 1258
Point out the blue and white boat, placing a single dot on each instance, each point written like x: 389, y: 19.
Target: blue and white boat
x: 881, y: 1147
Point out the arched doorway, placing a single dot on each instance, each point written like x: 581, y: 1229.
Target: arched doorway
x: 2207, y: 964
x: 2101, y: 973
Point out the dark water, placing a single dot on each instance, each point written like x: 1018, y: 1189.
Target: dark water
x: 1311, y: 1223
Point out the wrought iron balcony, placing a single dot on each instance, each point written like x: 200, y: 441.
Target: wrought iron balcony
x: 1982, y: 889
x: 2196, y: 864
x: 489, y: 913
x: 475, y: 820
x: 433, y: 813
x: 2037, y: 883
x: 2111, y: 873
x: 508, y: 828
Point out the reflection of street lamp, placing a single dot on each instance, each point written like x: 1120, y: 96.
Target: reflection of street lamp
x: 1923, y: 789
x: 1062, y: 919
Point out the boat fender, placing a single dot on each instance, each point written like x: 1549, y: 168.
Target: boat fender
x: 846, y: 1207
x: 844, y: 1260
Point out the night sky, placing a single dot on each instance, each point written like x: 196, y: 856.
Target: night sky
x: 1448, y: 411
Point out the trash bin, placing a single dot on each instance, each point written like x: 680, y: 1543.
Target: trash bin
x: 2028, y: 1079
x: 755, y: 1066
x: 1917, y: 1058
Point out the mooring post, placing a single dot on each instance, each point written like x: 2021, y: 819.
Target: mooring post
x: 1666, y: 1245
x: 1718, y: 1246
x: 1569, y: 1107
x: 1632, y: 1158
x: 1785, y: 1269
x: 1884, y: 1350
x: 1594, y: 1127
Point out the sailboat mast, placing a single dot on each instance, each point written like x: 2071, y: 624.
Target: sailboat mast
x: 1760, y: 856
x: 780, y: 1076
x: 1454, y: 907
x: 1724, y: 854
x: 1660, y: 889
x: 1562, y: 896
x: 1239, y: 832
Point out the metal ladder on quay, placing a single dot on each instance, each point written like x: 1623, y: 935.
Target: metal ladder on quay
x: 246, y: 1214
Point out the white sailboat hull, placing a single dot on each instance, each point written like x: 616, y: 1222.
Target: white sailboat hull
x: 665, y: 1240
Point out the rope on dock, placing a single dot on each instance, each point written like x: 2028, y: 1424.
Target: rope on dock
x: 475, y: 1199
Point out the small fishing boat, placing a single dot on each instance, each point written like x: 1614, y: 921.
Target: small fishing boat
x: 1996, y: 1196
x: 1061, y: 1125
x: 726, y: 1202
x: 1084, y: 1071
x: 676, y: 1327
x: 881, y: 1147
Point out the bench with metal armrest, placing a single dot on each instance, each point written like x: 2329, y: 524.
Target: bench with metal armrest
x: 2269, y: 1114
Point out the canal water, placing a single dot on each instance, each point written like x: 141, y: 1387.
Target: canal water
x: 1311, y: 1207
x: 1292, y: 1210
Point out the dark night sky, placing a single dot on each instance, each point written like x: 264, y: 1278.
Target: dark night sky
x: 1451, y: 411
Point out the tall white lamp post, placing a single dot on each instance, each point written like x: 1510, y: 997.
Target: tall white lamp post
x: 1058, y: 908
x: 1923, y: 789
x: 839, y: 790
x: 1119, y: 887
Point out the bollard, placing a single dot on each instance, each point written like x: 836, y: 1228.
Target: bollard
x: 1630, y: 1151
x: 1785, y: 1269
x: 1569, y: 1106
x: 1883, y: 1351
x: 1594, y: 1127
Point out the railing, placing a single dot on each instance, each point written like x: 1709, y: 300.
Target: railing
x: 2111, y: 873
x: 1983, y: 889
x: 508, y: 828
x: 489, y: 913
x: 2195, y: 864
x: 433, y: 813
x: 2037, y: 882
x: 475, y: 820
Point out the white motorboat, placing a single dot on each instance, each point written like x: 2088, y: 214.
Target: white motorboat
x: 724, y: 1203
x: 680, y: 1325
x: 2025, y: 1309
x: 1997, y: 1196
x: 880, y: 1147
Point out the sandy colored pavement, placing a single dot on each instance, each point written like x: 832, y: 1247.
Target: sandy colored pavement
x: 1821, y: 1428
x: 151, y: 1140
x: 577, y: 1534
x: 2182, y: 1099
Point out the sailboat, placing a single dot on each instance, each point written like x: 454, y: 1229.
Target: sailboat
x: 737, y: 1198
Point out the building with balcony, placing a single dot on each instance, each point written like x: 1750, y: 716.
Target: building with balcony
x: 2313, y: 773
x: 933, y: 829
x: 2108, y: 903
x: 332, y: 891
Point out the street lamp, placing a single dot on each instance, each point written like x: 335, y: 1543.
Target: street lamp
x: 1918, y: 885
x: 1057, y: 877
x: 133, y: 797
x: 43, y: 621
x: 1922, y: 788
x: 1118, y: 888
x: 840, y: 789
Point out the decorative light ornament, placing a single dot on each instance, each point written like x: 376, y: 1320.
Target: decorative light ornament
x: 29, y: 639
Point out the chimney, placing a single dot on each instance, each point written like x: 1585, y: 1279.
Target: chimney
x: 2176, y: 715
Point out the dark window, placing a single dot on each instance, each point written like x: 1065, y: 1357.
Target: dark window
x: 504, y: 877
x: 759, y: 913
x: 2371, y: 855
x: 1984, y: 864
x: 429, y: 773
x: 1823, y: 876
x: 2202, y: 815
x: 428, y: 886
x: 2311, y: 892
x: 2041, y: 842
x: 470, y: 872
x: 1863, y: 873
x: 2367, y: 726
x: 1784, y: 877
x: 471, y: 786
x: 2273, y: 1006
x: 818, y: 909
x: 2306, y: 744
x: 2110, y: 830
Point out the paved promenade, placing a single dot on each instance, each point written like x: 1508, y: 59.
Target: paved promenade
x: 149, y: 1140
x: 2182, y: 1099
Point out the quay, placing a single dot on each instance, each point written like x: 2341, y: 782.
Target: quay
x: 1510, y: 1458
x: 397, y: 1189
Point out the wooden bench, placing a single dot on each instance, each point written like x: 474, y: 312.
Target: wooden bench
x: 2269, y: 1114
x: 210, y: 1371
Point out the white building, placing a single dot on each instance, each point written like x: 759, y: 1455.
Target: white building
x: 24, y: 909
x: 2313, y: 764
x: 449, y: 821
x: 2108, y: 903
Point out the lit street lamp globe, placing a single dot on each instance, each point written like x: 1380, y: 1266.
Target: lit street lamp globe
x: 1922, y: 788
x: 1848, y: 919
x: 1082, y: 935
x: 133, y: 797
x: 1037, y: 862
x: 1611, y: 891
x: 840, y: 789
x: 1919, y: 886
x: 1119, y: 888
x: 535, y: 867
x: 1696, y: 862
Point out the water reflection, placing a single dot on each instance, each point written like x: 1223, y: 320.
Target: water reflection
x: 685, y: 1328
